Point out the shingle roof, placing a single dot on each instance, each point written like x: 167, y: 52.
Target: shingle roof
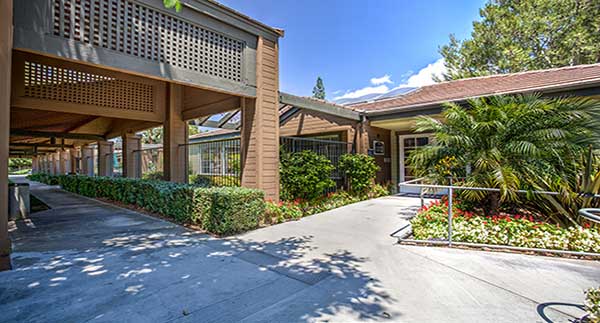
x: 458, y: 90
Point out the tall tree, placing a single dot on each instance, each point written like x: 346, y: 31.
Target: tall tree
x: 521, y: 35
x: 319, y: 89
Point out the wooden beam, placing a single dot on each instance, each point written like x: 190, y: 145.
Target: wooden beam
x: 320, y: 106
x: 120, y: 127
x: 287, y: 115
x: 26, y: 144
x: 226, y: 118
x: 216, y: 124
x: 200, y: 121
x: 228, y: 104
x: 48, y: 134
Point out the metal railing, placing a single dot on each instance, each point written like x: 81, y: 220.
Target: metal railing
x: 590, y: 214
x: 150, y: 160
x: 215, y: 162
x: 332, y: 150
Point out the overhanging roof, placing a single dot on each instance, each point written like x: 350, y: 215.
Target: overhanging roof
x: 318, y: 105
x: 562, y: 80
x: 289, y: 105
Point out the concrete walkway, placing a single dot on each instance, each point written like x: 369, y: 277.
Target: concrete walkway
x: 88, y: 261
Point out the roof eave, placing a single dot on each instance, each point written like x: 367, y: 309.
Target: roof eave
x: 544, y: 89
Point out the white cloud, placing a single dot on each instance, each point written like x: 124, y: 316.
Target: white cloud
x: 425, y: 75
x: 378, y: 84
x: 381, y: 80
x: 364, y: 91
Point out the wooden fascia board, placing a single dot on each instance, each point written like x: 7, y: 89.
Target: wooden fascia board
x: 323, y: 107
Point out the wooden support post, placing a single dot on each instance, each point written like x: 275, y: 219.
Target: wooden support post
x: 6, y: 43
x: 395, y: 165
x: 105, y: 158
x: 132, y: 166
x: 363, y: 138
x: 260, y: 125
x: 73, y: 158
x: 87, y: 161
x: 55, y: 163
x: 35, y: 164
x: 48, y: 166
x: 66, y: 162
x: 61, y: 162
x: 43, y: 164
x: 175, y: 137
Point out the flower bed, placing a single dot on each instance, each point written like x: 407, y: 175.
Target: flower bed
x: 431, y: 223
x: 222, y: 210
x: 592, y: 304
x: 278, y: 212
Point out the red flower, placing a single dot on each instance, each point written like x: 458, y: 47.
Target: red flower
x: 586, y: 225
x: 484, y: 222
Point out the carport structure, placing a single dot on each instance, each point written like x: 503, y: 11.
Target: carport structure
x: 80, y: 72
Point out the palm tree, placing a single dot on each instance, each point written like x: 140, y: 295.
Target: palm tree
x: 508, y: 142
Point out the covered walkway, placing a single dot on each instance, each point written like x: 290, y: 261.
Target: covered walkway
x: 84, y: 260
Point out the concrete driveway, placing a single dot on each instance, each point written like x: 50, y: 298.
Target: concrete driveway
x: 87, y: 261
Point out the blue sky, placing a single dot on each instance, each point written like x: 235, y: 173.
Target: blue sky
x: 354, y: 44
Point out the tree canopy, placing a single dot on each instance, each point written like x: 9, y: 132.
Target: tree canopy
x: 319, y: 89
x: 172, y: 4
x: 515, y: 36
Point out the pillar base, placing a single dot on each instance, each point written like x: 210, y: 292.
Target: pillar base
x: 5, y: 247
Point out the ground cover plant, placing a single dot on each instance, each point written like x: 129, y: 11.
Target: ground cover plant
x: 520, y: 230
x: 592, y: 305
x: 282, y: 211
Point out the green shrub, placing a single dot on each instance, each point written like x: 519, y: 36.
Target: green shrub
x: 44, y: 178
x: 514, y: 230
x: 360, y: 171
x: 214, y: 180
x: 224, y: 210
x: 304, y: 175
x: 232, y: 209
x: 154, y: 176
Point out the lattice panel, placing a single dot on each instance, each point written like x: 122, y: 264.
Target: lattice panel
x: 56, y: 83
x: 136, y: 30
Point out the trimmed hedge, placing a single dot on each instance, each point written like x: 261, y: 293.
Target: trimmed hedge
x: 220, y: 210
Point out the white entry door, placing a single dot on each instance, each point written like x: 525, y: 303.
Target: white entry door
x: 408, y: 143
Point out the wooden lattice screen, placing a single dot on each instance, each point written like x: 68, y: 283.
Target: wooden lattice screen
x: 143, y: 32
x: 49, y: 82
x: 46, y: 83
